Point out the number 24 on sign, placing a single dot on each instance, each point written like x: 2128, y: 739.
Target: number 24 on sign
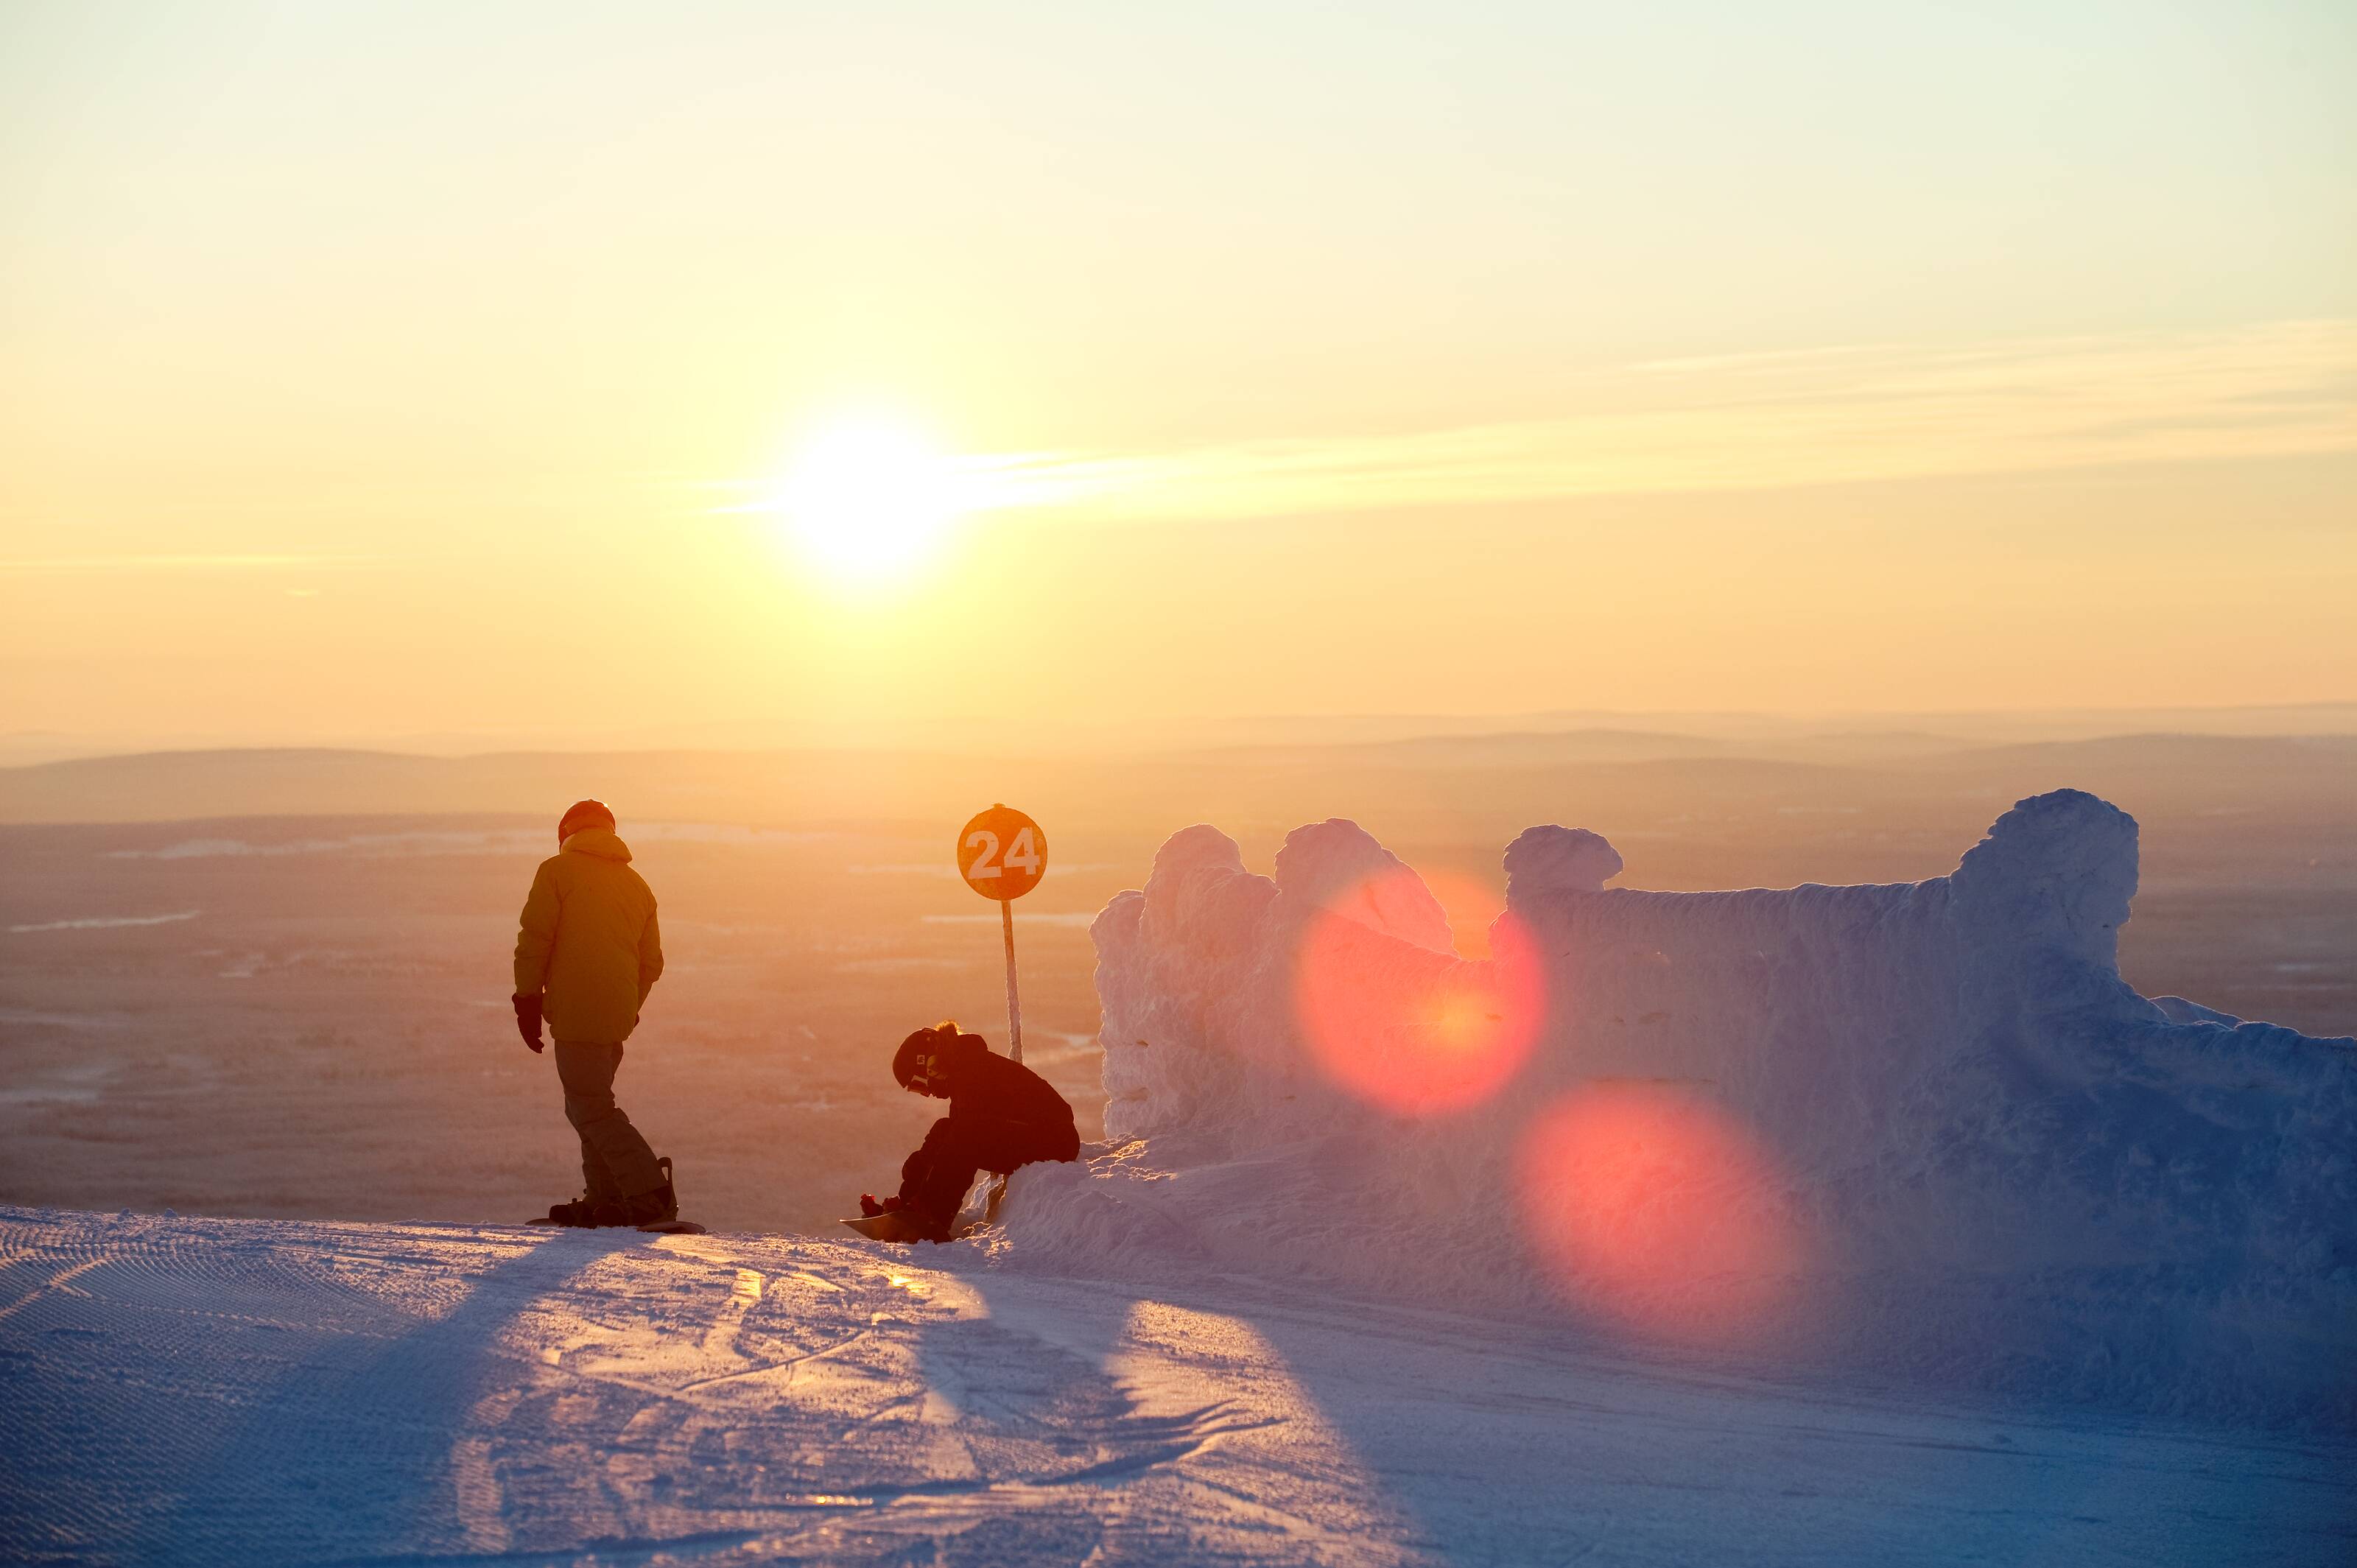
x: 1002, y: 853
x: 1022, y: 855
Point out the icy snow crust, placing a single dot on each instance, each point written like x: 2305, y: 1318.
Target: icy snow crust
x: 251, y: 1393
x: 1990, y: 1162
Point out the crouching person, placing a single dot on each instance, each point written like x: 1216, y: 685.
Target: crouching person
x: 587, y: 951
x: 1002, y: 1116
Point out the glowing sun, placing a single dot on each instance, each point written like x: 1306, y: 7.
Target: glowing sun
x: 868, y: 500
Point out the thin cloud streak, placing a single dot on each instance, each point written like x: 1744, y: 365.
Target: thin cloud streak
x: 1770, y: 420
x: 181, y: 563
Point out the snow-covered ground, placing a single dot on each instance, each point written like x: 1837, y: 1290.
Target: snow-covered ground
x: 262, y: 1391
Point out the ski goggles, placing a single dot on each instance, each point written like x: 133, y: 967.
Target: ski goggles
x: 928, y: 1069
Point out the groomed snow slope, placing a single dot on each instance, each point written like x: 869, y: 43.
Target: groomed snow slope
x: 256, y: 1393
x: 1921, y: 1131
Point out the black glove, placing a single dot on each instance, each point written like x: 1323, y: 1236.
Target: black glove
x: 528, y: 1020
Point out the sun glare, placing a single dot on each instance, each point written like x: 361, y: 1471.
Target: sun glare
x: 868, y: 500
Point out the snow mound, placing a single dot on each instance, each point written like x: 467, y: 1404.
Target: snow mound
x: 1923, y: 1130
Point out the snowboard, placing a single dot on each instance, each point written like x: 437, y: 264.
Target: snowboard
x: 899, y: 1227
x: 895, y: 1226
x: 659, y: 1228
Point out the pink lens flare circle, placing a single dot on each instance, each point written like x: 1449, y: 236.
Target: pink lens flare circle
x: 1654, y: 1206
x: 1411, y: 1031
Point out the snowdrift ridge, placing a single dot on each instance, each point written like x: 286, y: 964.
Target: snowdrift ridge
x: 1922, y: 1128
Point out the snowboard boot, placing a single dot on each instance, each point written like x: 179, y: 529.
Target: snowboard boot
x: 924, y: 1227
x: 660, y: 1206
x: 657, y: 1208
x: 579, y: 1212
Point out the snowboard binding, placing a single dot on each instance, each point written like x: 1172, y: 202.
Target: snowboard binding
x: 656, y: 1212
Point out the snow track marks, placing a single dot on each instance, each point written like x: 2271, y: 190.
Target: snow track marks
x: 215, y: 1392
x: 261, y: 1392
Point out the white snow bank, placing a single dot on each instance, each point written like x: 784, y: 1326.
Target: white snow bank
x: 1925, y: 1129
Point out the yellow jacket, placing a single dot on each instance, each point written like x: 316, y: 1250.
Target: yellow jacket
x: 589, y: 940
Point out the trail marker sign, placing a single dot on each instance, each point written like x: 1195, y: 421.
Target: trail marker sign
x: 1002, y: 855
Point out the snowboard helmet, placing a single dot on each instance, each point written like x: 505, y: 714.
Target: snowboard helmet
x: 583, y: 814
x: 916, y: 1062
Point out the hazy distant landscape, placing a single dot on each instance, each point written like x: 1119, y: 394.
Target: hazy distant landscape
x: 274, y: 983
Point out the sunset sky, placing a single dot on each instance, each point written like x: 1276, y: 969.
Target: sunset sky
x: 593, y: 373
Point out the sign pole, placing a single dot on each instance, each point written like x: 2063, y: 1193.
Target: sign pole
x: 1014, y: 1008
x: 1002, y: 855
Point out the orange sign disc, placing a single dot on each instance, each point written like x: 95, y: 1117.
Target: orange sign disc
x: 1002, y: 853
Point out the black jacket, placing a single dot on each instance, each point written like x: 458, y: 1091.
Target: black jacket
x: 985, y: 1087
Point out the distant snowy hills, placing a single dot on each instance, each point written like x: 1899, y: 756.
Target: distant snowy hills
x: 1522, y: 775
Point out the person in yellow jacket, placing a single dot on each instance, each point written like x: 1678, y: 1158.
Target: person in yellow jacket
x: 586, y: 954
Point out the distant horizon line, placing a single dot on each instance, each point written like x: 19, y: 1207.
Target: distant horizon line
x: 1249, y: 732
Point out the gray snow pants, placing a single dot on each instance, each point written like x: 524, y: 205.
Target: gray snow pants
x: 615, y: 1160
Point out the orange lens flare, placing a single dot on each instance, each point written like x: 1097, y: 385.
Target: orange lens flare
x: 1471, y: 906
x: 1655, y: 1207
x: 1415, y: 1032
